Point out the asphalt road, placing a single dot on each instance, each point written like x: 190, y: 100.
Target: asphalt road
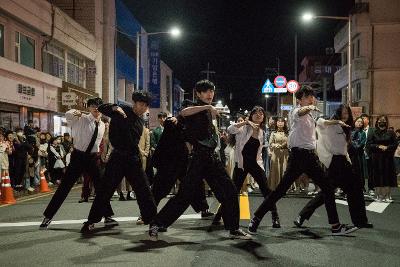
x: 191, y: 241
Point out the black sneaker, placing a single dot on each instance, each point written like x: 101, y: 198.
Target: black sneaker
x: 276, y: 223
x: 364, y: 225
x: 253, y: 225
x: 206, y: 214
x: 121, y: 197
x: 343, y: 229
x: 299, y: 221
x: 45, y: 223
x: 139, y: 221
x: 87, y: 228
x: 239, y: 234
x: 83, y: 200
x: 153, y: 233
x: 108, y: 221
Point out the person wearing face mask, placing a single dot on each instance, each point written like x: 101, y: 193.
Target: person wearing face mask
x: 381, y: 145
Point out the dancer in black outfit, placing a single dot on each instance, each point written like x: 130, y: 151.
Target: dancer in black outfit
x: 126, y: 128
x: 205, y: 164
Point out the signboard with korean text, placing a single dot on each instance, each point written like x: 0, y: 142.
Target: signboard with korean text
x: 155, y: 72
x: 28, y: 93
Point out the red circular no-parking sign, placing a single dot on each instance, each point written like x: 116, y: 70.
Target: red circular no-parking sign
x: 292, y: 86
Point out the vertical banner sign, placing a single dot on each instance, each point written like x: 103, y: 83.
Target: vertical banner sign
x: 154, y: 83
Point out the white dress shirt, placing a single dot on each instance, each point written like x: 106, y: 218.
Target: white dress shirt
x: 243, y: 135
x: 302, y: 130
x: 83, y: 129
x: 331, y: 141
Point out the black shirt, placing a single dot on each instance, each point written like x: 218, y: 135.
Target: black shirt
x: 124, y: 133
x: 250, y: 150
x: 199, y: 129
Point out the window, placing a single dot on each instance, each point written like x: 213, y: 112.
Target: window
x: 358, y: 91
x: 1, y: 40
x: 24, y: 50
x: 76, y: 70
x: 54, y: 61
x: 358, y: 48
x: 344, y: 58
x: 352, y: 51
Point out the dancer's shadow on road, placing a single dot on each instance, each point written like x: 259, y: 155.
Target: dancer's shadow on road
x: 147, y: 245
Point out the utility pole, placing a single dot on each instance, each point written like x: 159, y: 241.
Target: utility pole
x: 207, y: 72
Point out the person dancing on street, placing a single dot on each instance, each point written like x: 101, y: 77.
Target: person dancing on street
x: 205, y: 164
x: 249, y: 139
x: 87, y: 131
x: 333, y: 147
x: 126, y: 127
x: 303, y: 159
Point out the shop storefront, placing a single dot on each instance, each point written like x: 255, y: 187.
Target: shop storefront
x: 23, y: 98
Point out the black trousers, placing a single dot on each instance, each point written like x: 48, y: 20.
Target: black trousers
x: 371, y: 184
x: 205, y: 164
x: 166, y: 177
x: 122, y: 165
x: 80, y: 163
x: 340, y: 174
x: 302, y: 161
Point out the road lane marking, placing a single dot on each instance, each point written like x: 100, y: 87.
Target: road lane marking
x: 378, y: 207
x: 80, y: 221
x: 35, y: 197
x: 244, y: 208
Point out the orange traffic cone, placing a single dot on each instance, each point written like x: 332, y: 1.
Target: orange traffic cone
x: 7, y: 191
x: 43, y: 183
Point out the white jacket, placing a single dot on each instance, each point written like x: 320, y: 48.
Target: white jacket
x: 243, y: 135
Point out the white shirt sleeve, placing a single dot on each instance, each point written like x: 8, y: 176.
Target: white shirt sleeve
x: 232, y: 129
x: 69, y: 116
x: 321, y: 123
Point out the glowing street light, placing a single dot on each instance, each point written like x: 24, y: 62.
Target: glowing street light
x: 174, y: 32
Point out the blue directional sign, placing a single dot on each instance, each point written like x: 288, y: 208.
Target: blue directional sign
x: 268, y: 87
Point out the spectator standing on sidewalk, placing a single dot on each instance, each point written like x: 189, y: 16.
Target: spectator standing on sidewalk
x: 381, y: 145
x: 278, y: 146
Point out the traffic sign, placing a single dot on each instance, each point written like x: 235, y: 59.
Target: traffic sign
x: 268, y: 87
x: 280, y: 81
x: 286, y: 107
x: 292, y: 86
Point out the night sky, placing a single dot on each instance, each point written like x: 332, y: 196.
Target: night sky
x: 240, y: 39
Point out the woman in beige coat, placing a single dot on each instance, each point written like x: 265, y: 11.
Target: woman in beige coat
x: 278, y: 149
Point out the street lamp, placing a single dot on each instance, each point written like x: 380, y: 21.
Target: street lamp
x: 309, y: 16
x: 174, y: 32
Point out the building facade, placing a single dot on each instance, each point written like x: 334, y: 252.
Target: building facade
x: 44, y: 52
x: 375, y: 58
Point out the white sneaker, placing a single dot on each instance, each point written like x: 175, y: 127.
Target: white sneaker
x: 30, y: 189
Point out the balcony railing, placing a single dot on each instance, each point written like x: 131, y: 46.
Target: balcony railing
x: 359, y: 71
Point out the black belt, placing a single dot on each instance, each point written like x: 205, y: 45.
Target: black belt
x: 84, y: 153
x: 302, y: 150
